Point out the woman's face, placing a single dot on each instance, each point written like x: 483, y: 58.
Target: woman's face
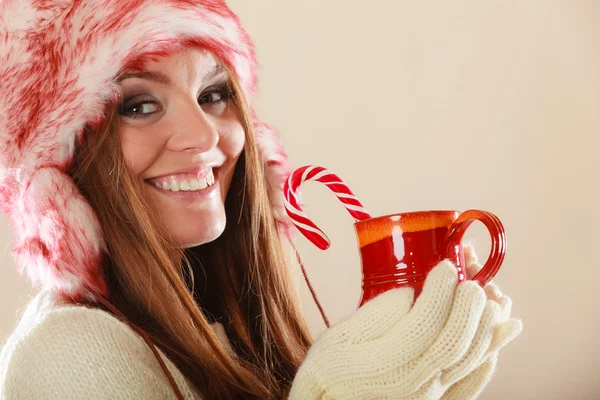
x: 181, y: 134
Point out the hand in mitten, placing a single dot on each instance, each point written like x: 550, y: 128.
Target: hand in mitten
x: 504, y: 332
x: 392, y: 349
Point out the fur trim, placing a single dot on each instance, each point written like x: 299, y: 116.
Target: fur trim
x: 276, y: 170
x: 58, y: 64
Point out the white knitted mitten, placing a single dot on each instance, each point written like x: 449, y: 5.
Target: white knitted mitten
x: 444, y: 345
x: 472, y: 385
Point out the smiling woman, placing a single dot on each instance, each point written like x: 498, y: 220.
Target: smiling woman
x: 164, y: 205
x: 146, y: 197
x: 183, y: 124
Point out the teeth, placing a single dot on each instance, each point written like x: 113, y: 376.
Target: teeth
x: 175, y: 185
x: 202, y: 184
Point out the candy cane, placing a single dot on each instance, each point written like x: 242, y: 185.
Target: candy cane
x: 333, y: 182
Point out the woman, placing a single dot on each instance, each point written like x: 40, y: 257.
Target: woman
x: 146, y: 198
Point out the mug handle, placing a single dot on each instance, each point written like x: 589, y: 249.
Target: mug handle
x: 496, y: 230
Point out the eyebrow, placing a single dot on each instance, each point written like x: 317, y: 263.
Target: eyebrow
x: 162, y: 78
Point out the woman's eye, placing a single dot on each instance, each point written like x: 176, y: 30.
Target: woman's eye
x: 139, y: 109
x: 215, y: 95
x: 211, y: 98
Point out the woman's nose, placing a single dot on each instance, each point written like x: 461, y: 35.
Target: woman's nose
x: 192, y: 130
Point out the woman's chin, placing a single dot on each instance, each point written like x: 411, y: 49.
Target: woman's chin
x: 201, y: 234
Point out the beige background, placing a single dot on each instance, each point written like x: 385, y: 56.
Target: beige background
x: 418, y: 105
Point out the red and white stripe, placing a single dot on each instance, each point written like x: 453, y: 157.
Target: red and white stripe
x: 333, y: 182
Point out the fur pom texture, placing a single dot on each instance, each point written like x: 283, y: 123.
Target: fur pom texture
x: 59, y: 60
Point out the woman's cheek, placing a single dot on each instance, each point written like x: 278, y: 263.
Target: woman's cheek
x: 138, y: 155
x: 233, y: 140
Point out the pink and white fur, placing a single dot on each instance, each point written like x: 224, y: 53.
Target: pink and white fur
x: 58, y: 64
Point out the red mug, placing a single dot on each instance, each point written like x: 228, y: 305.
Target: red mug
x: 400, y: 249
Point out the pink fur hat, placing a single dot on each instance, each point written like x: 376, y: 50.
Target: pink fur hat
x: 58, y: 63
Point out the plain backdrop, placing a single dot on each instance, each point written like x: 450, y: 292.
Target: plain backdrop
x: 443, y: 105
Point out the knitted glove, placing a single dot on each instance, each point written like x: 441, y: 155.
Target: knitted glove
x: 443, y: 346
x: 507, y: 329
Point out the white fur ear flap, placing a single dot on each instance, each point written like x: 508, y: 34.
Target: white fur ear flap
x: 59, y: 239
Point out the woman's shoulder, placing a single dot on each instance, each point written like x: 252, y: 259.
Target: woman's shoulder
x: 47, y: 319
x: 59, y: 350
x: 49, y: 325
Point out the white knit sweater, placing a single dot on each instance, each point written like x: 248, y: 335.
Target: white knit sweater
x: 61, y: 351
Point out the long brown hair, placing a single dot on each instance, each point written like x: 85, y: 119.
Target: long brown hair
x: 240, y: 279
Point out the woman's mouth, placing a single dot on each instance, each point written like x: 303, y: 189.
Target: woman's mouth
x: 194, y: 187
x: 185, y: 182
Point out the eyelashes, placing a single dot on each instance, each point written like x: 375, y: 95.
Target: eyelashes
x: 213, y: 98
x: 139, y: 107
x: 219, y: 93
